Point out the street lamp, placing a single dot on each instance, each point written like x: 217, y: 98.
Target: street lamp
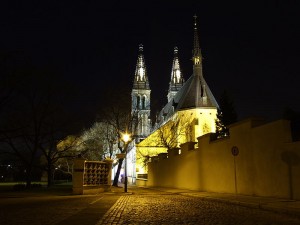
x: 126, y: 138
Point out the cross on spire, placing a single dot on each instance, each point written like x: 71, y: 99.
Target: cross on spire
x: 197, y: 57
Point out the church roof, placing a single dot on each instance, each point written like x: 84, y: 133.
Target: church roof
x: 195, y: 92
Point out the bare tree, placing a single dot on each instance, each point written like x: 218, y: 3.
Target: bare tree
x: 33, y: 124
x: 173, y: 132
x: 98, y: 141
x: 117, y: 114
x: 169, y: 135
x: 226, y: 115
x: 125, y: 122
x: 55, y: 149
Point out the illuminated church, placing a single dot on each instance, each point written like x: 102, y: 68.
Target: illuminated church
x: 191, y: 107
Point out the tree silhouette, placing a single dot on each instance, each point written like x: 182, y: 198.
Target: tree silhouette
x: 98, y: 141
x: 33, y: 116
x: 166, y: 137
x: 226, y: 115
x: 116, y: 113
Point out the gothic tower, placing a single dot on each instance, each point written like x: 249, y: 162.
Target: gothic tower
x: 141, y: 97
x: 197, y: 69
x: 193, y: 99
x: 177, y: 80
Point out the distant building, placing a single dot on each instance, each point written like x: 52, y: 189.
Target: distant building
x: 190, y: 112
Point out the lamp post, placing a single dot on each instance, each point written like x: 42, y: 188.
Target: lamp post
x: 126, y: 139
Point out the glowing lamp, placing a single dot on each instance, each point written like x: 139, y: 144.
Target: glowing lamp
x: 126, y: 138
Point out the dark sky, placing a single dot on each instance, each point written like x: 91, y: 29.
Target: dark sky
x: 249, y: 49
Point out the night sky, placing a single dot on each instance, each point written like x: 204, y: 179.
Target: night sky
x: 249, y: 49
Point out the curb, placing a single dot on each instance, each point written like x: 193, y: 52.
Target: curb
x: 268, y: 206
x: 255, y: 205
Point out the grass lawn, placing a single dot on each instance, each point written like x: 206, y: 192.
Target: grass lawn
x: 59, y: 188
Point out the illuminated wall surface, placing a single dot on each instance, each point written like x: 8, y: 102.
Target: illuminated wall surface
x: 192, y: 124
x: 267, y: 163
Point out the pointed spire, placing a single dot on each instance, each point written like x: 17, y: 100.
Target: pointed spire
x: 197, y: 56
x: 177, y: 80
x: 201, y: 91
x: 140, y: 78
x: 176, y: 77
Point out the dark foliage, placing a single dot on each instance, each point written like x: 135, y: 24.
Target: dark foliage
x: 226, y: 115
x: 116, y: 112
x: 33, y: 112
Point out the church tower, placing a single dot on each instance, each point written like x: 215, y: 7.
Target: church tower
x: 177, y: 80
x: 194, y: 99
x: 197, y: 69
x: 141, y: 97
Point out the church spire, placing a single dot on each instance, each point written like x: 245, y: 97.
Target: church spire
x: 197, y: 56
x: 141, y: 78
x: 201, y: 92
x: 177, y: 80
x: 140, y: 97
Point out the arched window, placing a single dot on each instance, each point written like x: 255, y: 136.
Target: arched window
x: 205, y: 128
x: 138, y: 102
x: 143, y: 102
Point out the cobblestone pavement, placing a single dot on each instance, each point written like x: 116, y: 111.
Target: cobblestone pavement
x: 167, y: 208
x: 50, y: 210
x: 139, y: 206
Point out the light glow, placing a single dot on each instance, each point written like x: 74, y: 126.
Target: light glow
x: 126, y: 137
x: 177, y: 75
x: 141, y: 73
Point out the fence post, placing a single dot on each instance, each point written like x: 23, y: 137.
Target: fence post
x: 78, y: 175
x: 109, y: 162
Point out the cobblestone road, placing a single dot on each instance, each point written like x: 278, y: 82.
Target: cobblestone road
x: 58, y: 210
x: 170, y: 209
x: 143, y: 206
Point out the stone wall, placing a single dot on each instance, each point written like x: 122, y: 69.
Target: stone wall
x: 91, y: 177
x: 267, y: 164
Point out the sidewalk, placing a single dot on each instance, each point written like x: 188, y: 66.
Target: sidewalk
x: 273, y: 204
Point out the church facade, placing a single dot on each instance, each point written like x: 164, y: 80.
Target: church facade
x: 191, y: 111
